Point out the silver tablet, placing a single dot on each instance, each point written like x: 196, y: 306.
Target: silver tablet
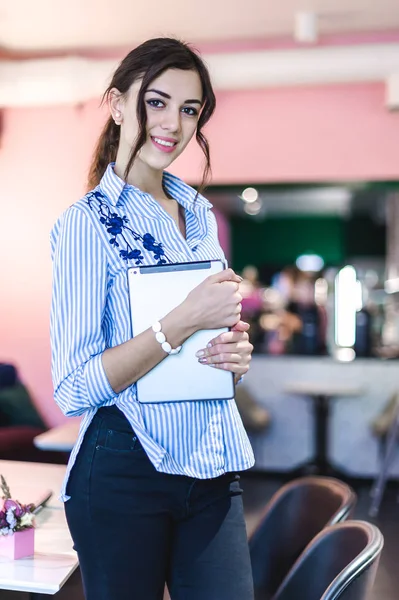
x: 154, y: 291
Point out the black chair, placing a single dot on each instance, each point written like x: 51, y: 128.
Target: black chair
x: 341, y: 562
x: 291, y: 519
x: 387, y: 427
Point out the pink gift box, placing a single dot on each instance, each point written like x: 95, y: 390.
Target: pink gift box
x: 18, y: 545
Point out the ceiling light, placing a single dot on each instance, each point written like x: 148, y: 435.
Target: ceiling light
x: 253, y: 208
x: 311, y: 263
x: 306, y: 30
x: 250, y: 195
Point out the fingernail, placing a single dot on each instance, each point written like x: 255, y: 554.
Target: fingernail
x: 209, y: 345
x: 203, y: 360
x: 240, y: 278
x: 200, y: 353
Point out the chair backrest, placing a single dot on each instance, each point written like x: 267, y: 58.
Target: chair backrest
x: 291, y: 519
x: 340, y: 563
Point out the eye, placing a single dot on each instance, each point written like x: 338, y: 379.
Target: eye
x: 190, y: 111
x: 155, y: 103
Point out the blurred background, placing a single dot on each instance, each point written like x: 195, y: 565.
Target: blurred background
x: 305, y: 146
x: 305, y: 187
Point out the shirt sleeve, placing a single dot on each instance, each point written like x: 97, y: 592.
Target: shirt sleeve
x: 213, y: 232
x: 77, y: 310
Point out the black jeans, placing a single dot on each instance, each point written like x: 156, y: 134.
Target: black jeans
x: 135, y: 528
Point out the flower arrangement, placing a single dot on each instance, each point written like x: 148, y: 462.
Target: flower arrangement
x: 14, y: 516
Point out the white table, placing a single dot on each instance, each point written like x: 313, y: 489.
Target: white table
x: 61, y: 438
x: 54, y: 560
x: 310, y: 388
x: 321, y: 392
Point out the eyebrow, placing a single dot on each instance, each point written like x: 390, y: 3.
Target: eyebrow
x: 165, y: 95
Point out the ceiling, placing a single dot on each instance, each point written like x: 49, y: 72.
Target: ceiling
x: 58, y: 25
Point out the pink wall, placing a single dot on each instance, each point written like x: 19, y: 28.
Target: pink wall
x: 309, y: 134
x: 304, y: 134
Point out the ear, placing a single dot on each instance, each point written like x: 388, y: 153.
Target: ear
x: 116, y: 105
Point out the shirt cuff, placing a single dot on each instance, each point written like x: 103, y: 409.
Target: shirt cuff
x: 98, y: 387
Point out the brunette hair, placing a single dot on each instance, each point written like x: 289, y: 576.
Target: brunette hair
x: 148, y: 61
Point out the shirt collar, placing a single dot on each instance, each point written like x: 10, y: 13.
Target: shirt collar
x: 114, y: 188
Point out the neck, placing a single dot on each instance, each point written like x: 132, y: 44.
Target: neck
x: 142, y: 176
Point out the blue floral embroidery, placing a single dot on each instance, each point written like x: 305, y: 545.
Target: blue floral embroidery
x: 117, y: 225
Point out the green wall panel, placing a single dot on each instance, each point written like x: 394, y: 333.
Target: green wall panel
x: 281, y: 240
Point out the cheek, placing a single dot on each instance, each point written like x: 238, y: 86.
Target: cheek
x: 189, y: 131
x: 153, y: 120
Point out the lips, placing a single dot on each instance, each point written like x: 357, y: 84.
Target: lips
x: 164, y: 144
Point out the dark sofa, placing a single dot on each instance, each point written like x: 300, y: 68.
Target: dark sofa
x: 20, y: 422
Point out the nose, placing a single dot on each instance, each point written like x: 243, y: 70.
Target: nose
x: 171, y: 121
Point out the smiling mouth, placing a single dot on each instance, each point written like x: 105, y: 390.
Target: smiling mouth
x: 166, y: 143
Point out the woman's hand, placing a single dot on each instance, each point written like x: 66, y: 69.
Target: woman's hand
x: 231, y: 351
x: 215, y: 303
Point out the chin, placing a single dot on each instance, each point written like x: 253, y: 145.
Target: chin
x: 159, y: 163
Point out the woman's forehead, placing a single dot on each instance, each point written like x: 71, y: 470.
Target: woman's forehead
x: 176, y: 82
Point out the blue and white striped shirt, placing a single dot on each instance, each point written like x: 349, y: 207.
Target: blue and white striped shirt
x: 92, y: 245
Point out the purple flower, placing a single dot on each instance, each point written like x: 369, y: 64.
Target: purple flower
x: 18, y: 508
x: 11, y: 520
x: 9, y: 504
x: 19, y: 511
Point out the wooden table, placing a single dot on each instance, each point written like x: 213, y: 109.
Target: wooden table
x: 61, y: 438
x: 321, y: 393
x: 54, y: 560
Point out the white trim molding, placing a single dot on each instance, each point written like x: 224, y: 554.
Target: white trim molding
x: 74, y: 80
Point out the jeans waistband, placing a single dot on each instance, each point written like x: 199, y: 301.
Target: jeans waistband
x: 113, y: 411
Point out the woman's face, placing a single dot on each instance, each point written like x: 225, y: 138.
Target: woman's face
x: 173, y: 103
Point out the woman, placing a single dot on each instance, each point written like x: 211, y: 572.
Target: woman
x: 152, y: 492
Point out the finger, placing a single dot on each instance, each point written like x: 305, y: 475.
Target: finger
x: 233, y: 348
x: 238, y: 309
x: 243, y: 348
x: 225, y: 275
x: 229, y: 337
x: 225, y: 357
x: 232, y: 367
x: 241, y: 326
